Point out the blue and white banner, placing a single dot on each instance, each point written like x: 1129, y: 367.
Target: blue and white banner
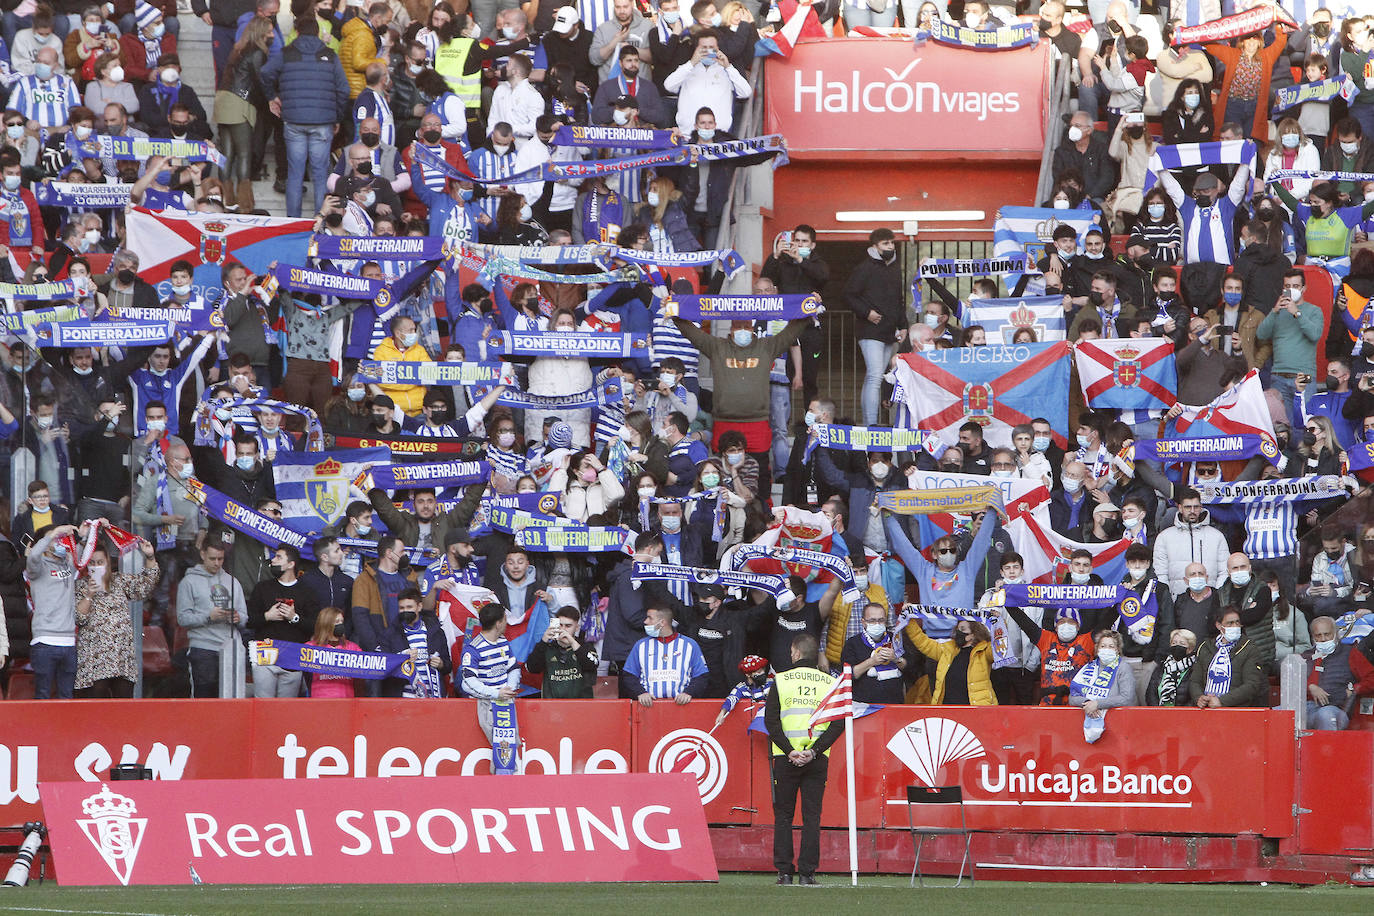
x: 511, y: 520
x: 195, y: 315
x: 81, y: 195
x: 1020, y: 35
x: 331, y: 283
x: 1320, y: 175
x: 376, y: 247
x: 429, y: 474
x: 1075, y: 596
x: 505, y: 739
x: 576, y: 539
x: 611, y: 391
x: 330, y: 660
x: 773, y: 585
x: 939, y: 623
x: 583, y: 135
x: 1192, y: 155
x: 248, y: 521
x: 874, y: 438
x: 313, y: 487
x: 87, y: 333
x: 561, y: 343
x: 1323, y: 91
x: 743, y: 308
x: 932, y: 268
x: 1198, y: 448
x: 37, y: 292
x: 141, y: 149
x: 1294, y: 489
x: 838, y: 567
x: 1002, y: 318
x: 387, y: 372
x: 21, y: 322
x: 1028, y: 231
x: 599, y: 255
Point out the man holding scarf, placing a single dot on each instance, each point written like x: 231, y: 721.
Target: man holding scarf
x: 1228, y: 672
x: 875, y: 653
x: 164, y: 505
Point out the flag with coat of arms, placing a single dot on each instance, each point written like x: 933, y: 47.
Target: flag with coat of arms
x: 1002, y: 318
x: 997, y: 387
x: 1127, y: 373
x: 1030, y: 231
x: 313, y: 487
x: 1240, y: 410
x: 211, y: 240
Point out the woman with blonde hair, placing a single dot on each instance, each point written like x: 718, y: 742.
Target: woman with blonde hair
x: 663, y: 214
x: 1293, y: 151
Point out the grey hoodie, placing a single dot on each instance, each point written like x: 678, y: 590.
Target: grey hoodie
x: 52, y: 583
x: 195, y: 601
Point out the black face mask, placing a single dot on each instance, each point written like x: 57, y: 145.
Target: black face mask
x: 334, y: 220
x: 370, y: 140
x: 1164, y: 298
x: 1178, y: 653
x: 1309, y: 439
x: 363, y: 168
x: 380, y: 421
x: 1113, y: 528
x: 1282, y: 442
x: 1332, y: 383
x: 1044, y: 26
x: 125, y: 277
x: 403, y: 563
x: 1321, y: 29
x: 431, y: 136
x: 1265, y: 214
x: 338, y: 631
x: 1145, y: 260
x: 888, y: 256
x: 438, y: 416
x: 1202, y: 200
x: 409, y: 618
x: 1095, y: 297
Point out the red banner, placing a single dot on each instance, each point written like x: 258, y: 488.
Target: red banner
x: 862, y: 93
x: 1154, y: 771
x: 388, y: 831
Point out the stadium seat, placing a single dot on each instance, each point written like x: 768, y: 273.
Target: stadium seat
x: 157, y: 660
x: 21, y: 686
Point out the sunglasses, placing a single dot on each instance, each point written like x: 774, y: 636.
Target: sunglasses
x: 946, y: 552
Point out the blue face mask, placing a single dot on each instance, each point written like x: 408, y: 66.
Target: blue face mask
x: 1231, y: 299
x: 1084, y: 441
x: 1040, y: 443
x: 466, y: 193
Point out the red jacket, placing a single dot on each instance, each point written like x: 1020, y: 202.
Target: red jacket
x: 134, y: 56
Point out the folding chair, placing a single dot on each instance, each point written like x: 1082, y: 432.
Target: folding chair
x: 928, y: 796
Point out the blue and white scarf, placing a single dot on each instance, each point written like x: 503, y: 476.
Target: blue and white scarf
x: 576, y: 539
x: 506, y: 463
x: 1322, y: 91
x: 429, y: 474
x: 82, y: 196
x: 561, y: 343
x: 1020, y: 35
x: 1191, y: 155
x: 1094, y: 682
x: 836, y: 566
x: 248, y: 521
x: 87, y: 333
x: 376, y: 248
x: 741, y: 308
x: 424, y: 677
x: 591, y: 137
x: 141, y: 149
x: 977, y: 267
x: 389, y: 372
x: 1219, y: 671
x: 773, y: 585
x: 610, y: 391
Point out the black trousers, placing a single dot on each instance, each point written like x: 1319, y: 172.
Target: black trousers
x: 812, y: 342
x: 788, y: 781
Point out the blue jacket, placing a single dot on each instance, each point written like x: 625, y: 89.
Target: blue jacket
x: 310, y: 82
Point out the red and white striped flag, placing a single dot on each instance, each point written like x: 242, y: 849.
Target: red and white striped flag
x: 838, y: 703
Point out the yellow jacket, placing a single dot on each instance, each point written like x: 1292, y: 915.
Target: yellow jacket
x: 980, y: 691
x: 358, y: 49
x: 410, y: 398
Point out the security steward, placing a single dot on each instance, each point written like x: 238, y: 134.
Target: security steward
x: 800, y: 758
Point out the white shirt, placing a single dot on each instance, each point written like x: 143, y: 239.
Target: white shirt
x: 700, y: 86
x: 518, y: 107
x: 533, y: 153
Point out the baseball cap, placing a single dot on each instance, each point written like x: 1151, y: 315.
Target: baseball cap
x: 457, y: 536
x: 564, y: 20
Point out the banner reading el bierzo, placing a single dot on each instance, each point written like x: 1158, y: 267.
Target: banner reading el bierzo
x: 447, y: 829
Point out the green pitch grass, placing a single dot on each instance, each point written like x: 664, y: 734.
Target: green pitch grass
x: 736, y: 893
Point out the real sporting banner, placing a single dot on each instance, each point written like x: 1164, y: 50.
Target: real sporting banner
x: 81, y: 195
x: 962, y: 500
x: 997, y: 387
x: 1127, y: 373
x: 760, y: 308
x: 611, y: 391
x: 595, y: 826
x: 1255, y: 19
x: 555, y: 343
x: 583, y: 135
x: 195, y: 315
x: 1075, y: 596
x: 875, y: 439
x: 1000, y: 319
x: 428, y: 474
x: 294, y: 656
x: 387, y: 372
x: 576, y: 539
x: 1325, y: 486
x: 21, y: 322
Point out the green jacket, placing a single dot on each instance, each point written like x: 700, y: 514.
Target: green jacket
x: 740, y: 373
x: 407, y: 527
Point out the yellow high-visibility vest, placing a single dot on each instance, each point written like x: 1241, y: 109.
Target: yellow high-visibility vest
x: 800, y: 691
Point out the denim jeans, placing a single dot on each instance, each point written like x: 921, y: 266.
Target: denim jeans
x: 204, y: 669
x: 306, y: 143
x: 54, y: 671
x: 1241, y: 111
x: 1326, y: 718
x: 1287, y: 388
x: 877, y: 354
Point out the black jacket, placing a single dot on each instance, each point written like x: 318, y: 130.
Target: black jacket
x: 393, y: 639
x: 876, y: 286
x: 1262, y: 269
x: 1095, y: 164
x: 794, y: 278
x: 22, y: 531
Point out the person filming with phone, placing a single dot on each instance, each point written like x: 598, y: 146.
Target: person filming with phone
x: 1295, y: 327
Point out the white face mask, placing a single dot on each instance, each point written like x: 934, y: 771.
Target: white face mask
x: 1324, y: 647
x: 82, y: 132
x: 706, y: 134
x: 44, y: 422
x: 1197, y: 583
x: 1192, y: 99
x: 1071, y: 484
x: 1230, y: 634
x: 861, y: 581
x: 742, y: 338
x: 500, y: 148
x: 1003, y: 473
x: 1291, y: 141
x: 874, y: 630
x: 1156, y: 211
x: 1350, y: 149
x: 1107, y: 656
x: 931, y: 320
x: 1240, y: 578
x: 881, y: 470
x: 1066, y: 631
x: 621, y: 116
x: 505, y: 440
x: 1061, y: 203
x: 116, y: 74
x: 526, y: 213
x: 667, y: 378
x: 357, y: 394
x: 98, y: 571
x: 1137, y: 572
x: 652, y: 198
x: 647, y: 492
x: 1080, y: 578
x: 170, y: 75
x: 1132, y: 522
x: 92, y: 28
x: 1075, y: 134
x: 671, y: 523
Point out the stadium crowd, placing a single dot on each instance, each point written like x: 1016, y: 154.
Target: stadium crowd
x: 407, y: 115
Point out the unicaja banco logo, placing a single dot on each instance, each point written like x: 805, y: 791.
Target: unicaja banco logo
x: 926, y: 745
